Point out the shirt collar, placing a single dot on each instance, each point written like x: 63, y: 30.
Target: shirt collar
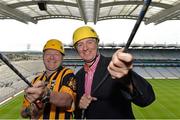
x: 92, y: 67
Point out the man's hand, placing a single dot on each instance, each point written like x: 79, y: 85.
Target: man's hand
x: 120, y: 64
x: 36, y: 92
x: 85, y: 101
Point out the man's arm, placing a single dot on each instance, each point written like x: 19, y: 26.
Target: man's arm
x: 144, y: 94
x: 138, y: 90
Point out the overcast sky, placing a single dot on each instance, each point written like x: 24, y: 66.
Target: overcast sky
x: 15, y: 36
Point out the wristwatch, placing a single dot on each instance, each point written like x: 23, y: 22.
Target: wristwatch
x: 46, y: 96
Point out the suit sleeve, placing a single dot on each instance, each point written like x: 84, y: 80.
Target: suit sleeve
x: 143, y: 94
x: 143, y: 89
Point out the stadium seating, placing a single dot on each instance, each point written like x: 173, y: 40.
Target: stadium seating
x: 11, y: 84
x: 149, y: 63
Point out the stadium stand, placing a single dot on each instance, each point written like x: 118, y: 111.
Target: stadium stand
x: 151, y: 63
x: 10, y: 83
x: 142, y: 72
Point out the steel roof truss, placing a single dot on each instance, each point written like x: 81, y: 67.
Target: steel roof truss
x: 96, y: 11
x: 15, y: 14
x: 81, y: 10
x: 165, y: 15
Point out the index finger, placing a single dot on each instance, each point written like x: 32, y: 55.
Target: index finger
x: 39, y: 84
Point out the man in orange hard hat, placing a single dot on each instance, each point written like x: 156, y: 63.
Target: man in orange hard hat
x: 53, y: 93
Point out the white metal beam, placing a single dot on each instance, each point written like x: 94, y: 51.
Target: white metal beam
x: 15, y: 14
x: 96, y: 11
x: 164, y: 15
x: 82, y: 11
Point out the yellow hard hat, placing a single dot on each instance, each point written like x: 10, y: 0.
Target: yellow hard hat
x: 84, y: 32
x: 54, y: 44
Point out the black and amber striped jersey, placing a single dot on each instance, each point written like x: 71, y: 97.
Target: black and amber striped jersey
x: 60, y: 81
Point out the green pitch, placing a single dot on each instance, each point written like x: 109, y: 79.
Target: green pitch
x: 166, y: 104
x: 11, y: 109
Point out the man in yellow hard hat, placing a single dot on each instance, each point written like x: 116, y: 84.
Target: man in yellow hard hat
x: 53, y: 93
x: 100, y: 97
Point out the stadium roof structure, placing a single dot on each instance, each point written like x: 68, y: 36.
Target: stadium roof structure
x: 88, y: 10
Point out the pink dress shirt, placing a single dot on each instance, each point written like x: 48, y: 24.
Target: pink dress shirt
x: 89, y: 75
